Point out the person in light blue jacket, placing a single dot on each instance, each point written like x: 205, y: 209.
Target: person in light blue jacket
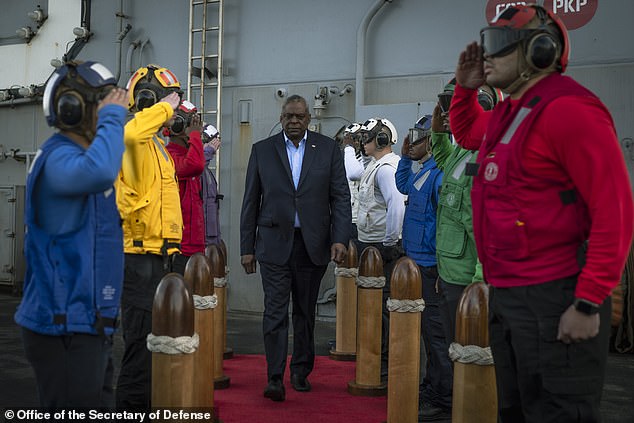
x: 74, y: 241
x: 422, y: 186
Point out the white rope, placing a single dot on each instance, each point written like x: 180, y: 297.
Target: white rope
x: 406, y: 306
x: 206, y: 302
x: 470, y: 354
x: 371, y: 281
x: 220, y: 282
x: 169, y: 345
x: 346, y: 272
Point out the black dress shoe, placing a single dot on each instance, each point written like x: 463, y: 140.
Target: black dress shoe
x: 275, y: 390
x: 430, y: 413
x: 300, y: 383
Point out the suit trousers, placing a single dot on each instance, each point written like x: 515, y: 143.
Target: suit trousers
x: 300, y: 279
x: 539, y: 378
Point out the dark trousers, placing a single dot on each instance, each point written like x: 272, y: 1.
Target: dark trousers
x: 541, y: 379
x: 70, y: 370
x: 450, y: 295
x: 437, y: 384
x: 299, y: 278
x: 143, y: 272
x: 388, y: 266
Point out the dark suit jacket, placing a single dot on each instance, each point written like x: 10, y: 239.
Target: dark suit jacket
x: 322, y: 201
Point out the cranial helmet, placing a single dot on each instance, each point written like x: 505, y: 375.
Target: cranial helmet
x: 210, y: 132
x: 182, y: 117
x: 540, y: 34
x: 71, y: 90
x: 420, y: 131
x: 149, y: 85
x: 381, y: 130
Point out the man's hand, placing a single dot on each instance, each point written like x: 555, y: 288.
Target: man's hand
x: 115, y: 96
x: 338, y: 252
x: 405, y: 147
x: 249, y: 263
x: 439, y: 120
x: 195, y: 125
x: 470, y: 69
x: 575, y: 326
x: 172, y: 99
x: 214, y: 144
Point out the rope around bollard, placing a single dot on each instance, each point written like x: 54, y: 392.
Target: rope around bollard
x: 346, y: 272
x: 470, y: 354
x: 168, y: 345
x: 406, y: 306
x: 371, y: 281
x: 206, y: 302
x: 220, y: 282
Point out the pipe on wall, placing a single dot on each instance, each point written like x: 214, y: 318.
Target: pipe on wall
x: 361, y: 37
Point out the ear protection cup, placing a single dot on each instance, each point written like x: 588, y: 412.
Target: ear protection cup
x: 70, y: 109
x: 541, y: 51
x: 144, y: 98
x: 382, y: 140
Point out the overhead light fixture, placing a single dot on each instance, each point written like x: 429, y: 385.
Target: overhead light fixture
x: 56, y: 63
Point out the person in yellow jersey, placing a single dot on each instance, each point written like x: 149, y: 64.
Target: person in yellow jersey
x: 149, y: 204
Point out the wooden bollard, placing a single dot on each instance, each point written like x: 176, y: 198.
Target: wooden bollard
x: 198, y: 275
x: 172, y: 343
x: 227, y: 351
x: 369, y: 310
x: 346, y: 318
x: 217, y: 266
x: 405, y: 306
x: 474, y: 386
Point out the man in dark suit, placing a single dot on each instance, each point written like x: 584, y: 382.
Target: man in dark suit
x: 295, y: 218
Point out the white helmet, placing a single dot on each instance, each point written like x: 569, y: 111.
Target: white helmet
x: 381, y: 129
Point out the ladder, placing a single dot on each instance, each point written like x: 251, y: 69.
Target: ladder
x: 204, y: 75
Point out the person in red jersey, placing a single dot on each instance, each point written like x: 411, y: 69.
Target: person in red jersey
x: 186, y: 148
x: 552, y: 215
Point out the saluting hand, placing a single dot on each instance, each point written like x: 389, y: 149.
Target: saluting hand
x: 439, y: 120
x: 115, y: 96
x: 195, y: 125
x: 172, y: 99
x: 470, y: 69
x: 405, y: 147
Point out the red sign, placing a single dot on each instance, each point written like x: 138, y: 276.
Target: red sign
x: 574, y: 13
x: 496, y: 6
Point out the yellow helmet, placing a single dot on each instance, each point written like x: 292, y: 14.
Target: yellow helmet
x: 149, y: 85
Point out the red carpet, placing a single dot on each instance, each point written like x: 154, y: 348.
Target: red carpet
x: 329, y: 400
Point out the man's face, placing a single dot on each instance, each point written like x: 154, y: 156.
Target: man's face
x: 419, y: 149
x: 295, y: 119
x: 501, y: 71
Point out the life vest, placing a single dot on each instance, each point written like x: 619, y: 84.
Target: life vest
x: 419, y: 222
x: 152, y: 220
x: 527, y: 230
x: 371, y: 218
x: 455, y: 247
x: 73, y: 281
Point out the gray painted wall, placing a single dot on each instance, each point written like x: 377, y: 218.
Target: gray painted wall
x: 412, y: 47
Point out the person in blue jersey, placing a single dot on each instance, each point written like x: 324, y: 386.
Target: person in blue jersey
x: 74, y: 241
x: 422, y: 187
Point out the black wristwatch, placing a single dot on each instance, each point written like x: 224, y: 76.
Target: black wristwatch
x: 585, y: 306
